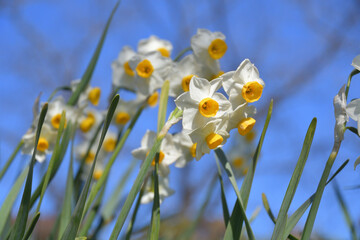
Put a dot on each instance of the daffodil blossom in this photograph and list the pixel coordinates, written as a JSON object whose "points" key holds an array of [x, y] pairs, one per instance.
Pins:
{"points": [[151, 70], [56, 107], [202, 103], [167, 155], [208, 47], [89, 121], [123, 75], [184, 144], [341, 116], [356, 62], [241, 118], [153, 43], [353, 110], [210, 136], [181, 75], [244, 84], [124, 112], [164, 190], [45, 145], [90, 94]]}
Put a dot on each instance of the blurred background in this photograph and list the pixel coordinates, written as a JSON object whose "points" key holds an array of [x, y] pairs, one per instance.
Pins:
{"points": [[303, 50]]}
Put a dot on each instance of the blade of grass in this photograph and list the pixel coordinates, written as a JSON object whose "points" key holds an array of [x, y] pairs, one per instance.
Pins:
{"points": [[78, 214], [223, 197], [21, 219], [295, 217], [10, 199], [85, 79], [32, 226], [155, 218], [294, 181], [344, 208], [233, 229], [11, 158], [226, 165], [164, 95]]}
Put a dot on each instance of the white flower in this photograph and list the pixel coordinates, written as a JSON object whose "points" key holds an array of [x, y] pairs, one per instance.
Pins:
{"points": [[151, 70], [125, 111], [153, 43], [90, 94], [45, 145], [90, 121], [353, 110], [241, 118], [184, 144], [164, 190], [244, 80], [123, 75], [208, 47], [210, 136], [181, 75], [356, 62], [56, 107], [167, 155], [340, 114], [202, 103], [151, 100]]}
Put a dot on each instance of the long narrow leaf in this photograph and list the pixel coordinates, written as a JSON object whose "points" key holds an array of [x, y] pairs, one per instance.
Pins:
{"points": [[226, 165], [233, 229], [155, 218], [294, 181], [85, 79], [11, 158], [31, 226], [163, 105], [21, 219], [223, 197], [73, 226]]}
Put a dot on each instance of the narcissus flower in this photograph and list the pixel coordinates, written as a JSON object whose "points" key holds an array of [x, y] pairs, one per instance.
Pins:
{"points": [[241, 118], [353, 110], [210, 136], [164, 190], [56, 107], [45, 145], [90, 121], [153, 43], [341, 116], [202, 103], [184, 144], [244, 84], [151, 71], [124, 112], [123, 75], [167, 155], [90, 94]]}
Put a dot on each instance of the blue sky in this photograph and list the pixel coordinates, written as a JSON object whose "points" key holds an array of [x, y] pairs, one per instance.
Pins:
{"points": [[303, 51]]}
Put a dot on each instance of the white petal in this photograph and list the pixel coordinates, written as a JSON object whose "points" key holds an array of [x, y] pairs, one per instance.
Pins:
{"points": [[356, 62], [353, 109], [199, 88]]}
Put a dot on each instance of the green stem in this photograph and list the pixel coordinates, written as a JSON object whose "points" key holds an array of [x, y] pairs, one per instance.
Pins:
{"points": [[11, 158], [353, 73], [182, 53], [66, 88]]}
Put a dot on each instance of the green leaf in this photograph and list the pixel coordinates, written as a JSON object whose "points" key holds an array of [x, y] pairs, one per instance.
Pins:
{"points": [[155, 218], [11, 158], [32, 226], [295, 217], [353, 130], [357, 162], [163, 105], [85, 79], [344, 208], [294, 181], [223, 197], [235, 220], [21, 219], [73, 226], [10, 199], [226, 165]]}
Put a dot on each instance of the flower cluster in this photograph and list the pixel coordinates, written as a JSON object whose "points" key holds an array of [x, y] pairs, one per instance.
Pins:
{"points": [[195, 82]]}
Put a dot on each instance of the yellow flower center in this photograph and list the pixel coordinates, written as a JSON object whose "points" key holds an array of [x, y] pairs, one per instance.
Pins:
{"points": [[217, 48], [245, 125], [238, 162], [122, 118], [217, 75], [193, 150], [144, 69], [94, 95], [161, 157], [109, 144], [97, 174], [55, 121], [252, 91], [128, 69], [42, 145], [213, 140], [90, 158], [208, 107], [87, 123], [153, 99], [186, 82], [164, 52]]}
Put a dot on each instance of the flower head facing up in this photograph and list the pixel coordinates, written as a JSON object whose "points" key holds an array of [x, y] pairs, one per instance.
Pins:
{"points": [[202, 103]]}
